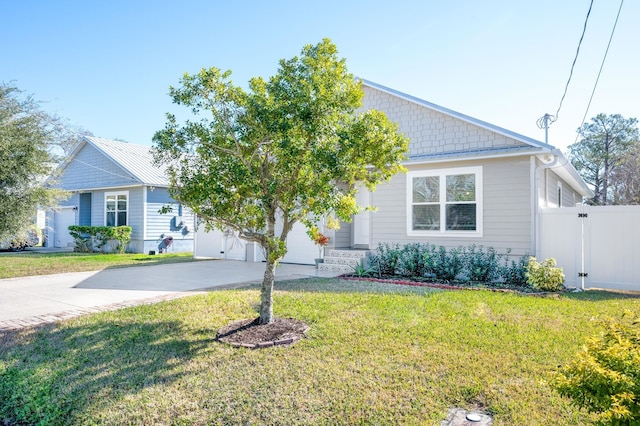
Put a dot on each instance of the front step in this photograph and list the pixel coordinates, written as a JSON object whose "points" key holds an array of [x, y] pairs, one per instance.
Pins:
{"points": [[342, 261]]}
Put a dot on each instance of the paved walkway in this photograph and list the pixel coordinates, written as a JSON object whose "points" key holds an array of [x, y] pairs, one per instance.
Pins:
{"points": [[37, 300]]}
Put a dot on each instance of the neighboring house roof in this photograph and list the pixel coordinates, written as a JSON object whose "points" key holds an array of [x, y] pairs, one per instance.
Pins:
{"points": [[135, 160], [529, 145]]}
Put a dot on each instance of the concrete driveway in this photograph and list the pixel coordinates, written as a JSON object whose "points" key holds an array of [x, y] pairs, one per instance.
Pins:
{"points": [[37, 300]]}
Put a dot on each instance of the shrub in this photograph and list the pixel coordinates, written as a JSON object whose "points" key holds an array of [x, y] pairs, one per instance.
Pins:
{"points": [[421, 260], [515, 271], [385, 258], [94, 238], [448, 264], [412, 261], [544, 276], [482, 266], [605, 376]]}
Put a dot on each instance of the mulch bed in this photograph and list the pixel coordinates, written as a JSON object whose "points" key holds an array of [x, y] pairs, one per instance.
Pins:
{"points": [[248, 333]]}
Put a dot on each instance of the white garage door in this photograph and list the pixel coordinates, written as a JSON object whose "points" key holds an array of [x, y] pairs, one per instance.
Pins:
{"points": [[218, 244], [212, 244], [63, 218], [300, 248]]}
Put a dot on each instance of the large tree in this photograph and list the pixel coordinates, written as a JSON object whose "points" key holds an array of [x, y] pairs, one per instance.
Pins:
{"points": [[606, 140], [290, 149], [27, 137], [625, 179]]}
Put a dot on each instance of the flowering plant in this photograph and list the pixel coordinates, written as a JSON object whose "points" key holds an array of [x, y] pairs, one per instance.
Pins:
{"points": [[319, 238]]}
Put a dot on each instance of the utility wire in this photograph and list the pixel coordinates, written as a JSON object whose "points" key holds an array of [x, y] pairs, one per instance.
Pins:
{"points": [[615, 24], [544, 121]]}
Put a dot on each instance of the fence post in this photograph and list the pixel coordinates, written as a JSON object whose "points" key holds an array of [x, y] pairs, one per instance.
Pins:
{"points": [[584, 245]]}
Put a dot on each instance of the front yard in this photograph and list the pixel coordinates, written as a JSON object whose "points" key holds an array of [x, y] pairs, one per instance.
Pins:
{"points": [[375, 354], [30, 263]]}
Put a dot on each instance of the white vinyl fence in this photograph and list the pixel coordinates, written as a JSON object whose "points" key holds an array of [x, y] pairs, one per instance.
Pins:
{"points": [[597, 246]]}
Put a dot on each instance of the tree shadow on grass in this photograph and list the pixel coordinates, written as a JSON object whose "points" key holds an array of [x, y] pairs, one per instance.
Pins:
{"points": [[55, 374], [602, 295]]}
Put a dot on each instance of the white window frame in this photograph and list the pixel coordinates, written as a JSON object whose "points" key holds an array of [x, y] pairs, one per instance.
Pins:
{"points": [[442, 174], [116, 193]]}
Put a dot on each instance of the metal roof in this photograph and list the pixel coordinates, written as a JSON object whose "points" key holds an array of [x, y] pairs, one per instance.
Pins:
{"points": [[137, 160]]}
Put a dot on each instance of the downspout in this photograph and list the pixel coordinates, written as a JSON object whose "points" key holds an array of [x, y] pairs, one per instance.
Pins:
{"points": [[548, 160]]}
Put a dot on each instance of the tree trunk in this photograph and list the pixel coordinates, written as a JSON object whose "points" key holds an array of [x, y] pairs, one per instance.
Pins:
{"points": [[266, 293]]}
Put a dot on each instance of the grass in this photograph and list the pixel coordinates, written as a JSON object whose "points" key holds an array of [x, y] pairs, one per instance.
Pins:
{"points": [[27, 263], [375, 354]]}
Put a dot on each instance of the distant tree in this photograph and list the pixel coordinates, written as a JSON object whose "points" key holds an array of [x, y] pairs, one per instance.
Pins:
{"points": [[625, 180], [27, 135], [606, 140], [289, 150]]}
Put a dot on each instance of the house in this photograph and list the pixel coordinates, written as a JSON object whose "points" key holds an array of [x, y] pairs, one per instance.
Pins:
{"points": [[468, 182], [115, 183]]}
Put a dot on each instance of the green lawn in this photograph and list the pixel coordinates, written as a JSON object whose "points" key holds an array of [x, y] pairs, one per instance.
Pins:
{"points": [[29, 263], [375, 354]]}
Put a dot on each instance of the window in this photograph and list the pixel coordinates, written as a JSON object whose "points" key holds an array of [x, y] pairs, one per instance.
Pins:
{"points": [[446, 201], [116, 205], [559, 194]]}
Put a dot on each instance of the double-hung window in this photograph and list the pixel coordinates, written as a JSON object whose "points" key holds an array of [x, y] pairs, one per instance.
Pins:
{"points": [[117, 208], [445, 202]]}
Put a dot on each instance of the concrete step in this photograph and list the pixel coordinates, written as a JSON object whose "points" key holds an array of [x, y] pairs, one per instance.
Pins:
{"points": [[358, 254], [343, 260], [333, 267]]}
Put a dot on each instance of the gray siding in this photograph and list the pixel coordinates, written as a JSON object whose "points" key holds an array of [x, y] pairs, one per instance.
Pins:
{"points": [[433, 132], [569, 196], [506, 208], [91, 169], [343, 236]]}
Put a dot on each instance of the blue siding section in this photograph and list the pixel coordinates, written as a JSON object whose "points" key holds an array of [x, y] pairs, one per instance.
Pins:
{"points": [[91, 169], [84, 215], [72, 201], [135, 217], [162, 225], [97, 208]]}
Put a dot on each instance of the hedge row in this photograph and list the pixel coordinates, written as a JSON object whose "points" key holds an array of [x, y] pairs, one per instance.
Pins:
{"points": [[89, 239], [473, 263]]}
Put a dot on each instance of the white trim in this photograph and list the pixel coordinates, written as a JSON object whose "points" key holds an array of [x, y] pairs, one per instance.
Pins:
{"points": [[466, 157], [442, 173], [104, 206]]}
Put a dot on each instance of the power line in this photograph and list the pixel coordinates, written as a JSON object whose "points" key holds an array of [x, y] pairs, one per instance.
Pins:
{"points": [[613, 30], [545, 121]]}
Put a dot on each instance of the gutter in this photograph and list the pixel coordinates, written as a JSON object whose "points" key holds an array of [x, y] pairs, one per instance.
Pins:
{"points": [[548, 160]]}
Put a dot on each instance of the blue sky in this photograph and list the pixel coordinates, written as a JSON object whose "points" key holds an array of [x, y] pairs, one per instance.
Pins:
{"points": [[106, 65]]}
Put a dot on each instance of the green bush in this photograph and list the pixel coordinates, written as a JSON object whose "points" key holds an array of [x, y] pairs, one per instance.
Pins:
{"points": [[95, 238], [448, 265], [385, 258], [605, 376], [413, 260], [423, 260], [515, 271], [544, 276], [481, 265]]}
